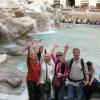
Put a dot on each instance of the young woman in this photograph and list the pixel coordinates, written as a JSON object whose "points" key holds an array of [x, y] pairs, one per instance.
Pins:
{"points": [[47, 73], [33, 73], [58, 58]]}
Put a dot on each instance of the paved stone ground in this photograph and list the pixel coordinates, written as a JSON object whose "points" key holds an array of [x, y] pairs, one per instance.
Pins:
{"points": [[9, 93], [23, 96]]}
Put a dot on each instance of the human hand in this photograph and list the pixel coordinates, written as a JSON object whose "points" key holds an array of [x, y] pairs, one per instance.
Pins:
{"points": [[90, 83], [32, 44], [60, 75], [66, 45], [55, 46], [86, 83], [37, 83]]}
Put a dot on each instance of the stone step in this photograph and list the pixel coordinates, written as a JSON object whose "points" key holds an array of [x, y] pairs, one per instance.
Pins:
{"points": [[23, 96]]}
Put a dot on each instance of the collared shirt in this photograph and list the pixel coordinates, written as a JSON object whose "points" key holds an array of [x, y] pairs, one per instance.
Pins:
{"points": [[76, 72]]}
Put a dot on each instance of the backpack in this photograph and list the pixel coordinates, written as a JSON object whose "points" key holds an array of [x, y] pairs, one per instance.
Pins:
{"points": [[70, 65]]}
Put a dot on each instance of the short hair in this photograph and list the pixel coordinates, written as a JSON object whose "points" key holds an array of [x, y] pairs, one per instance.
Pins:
{"points": [[89, 63], [47, 55], [59, 54], [76, 49]]}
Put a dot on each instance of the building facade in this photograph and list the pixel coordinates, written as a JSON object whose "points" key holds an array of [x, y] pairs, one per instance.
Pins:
{"points": [[50, 2], [88, 3], [79, 3]]}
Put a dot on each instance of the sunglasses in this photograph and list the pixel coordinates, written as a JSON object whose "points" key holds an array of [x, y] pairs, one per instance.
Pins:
{"points": [[58, 55]]}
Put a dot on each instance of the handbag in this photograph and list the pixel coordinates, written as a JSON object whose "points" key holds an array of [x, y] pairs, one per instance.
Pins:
{"points": [[47, 87], [56, 81]]}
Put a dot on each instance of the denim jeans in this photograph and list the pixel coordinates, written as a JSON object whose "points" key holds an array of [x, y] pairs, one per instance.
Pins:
{"points": [[47, 96], [61, 94], [74, 92], [44, 95], [32, 90]]}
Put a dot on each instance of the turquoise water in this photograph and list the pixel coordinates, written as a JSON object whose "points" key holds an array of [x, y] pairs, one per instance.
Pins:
{"points": [[85, 37]]}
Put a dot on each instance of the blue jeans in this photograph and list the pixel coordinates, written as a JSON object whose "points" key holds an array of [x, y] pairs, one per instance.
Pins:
{"points": [[59, 92], [62, 89], [74, 92], [47, 96], [44, 95]]}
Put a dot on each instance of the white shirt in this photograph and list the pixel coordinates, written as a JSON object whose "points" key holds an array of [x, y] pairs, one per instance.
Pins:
{"points": [[50, 72]]}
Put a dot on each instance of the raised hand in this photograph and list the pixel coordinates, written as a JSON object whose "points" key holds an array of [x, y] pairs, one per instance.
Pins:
{"points": [[66, 46], [55, 46]]}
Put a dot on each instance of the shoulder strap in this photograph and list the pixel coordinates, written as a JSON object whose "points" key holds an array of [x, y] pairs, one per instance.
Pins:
{"points": [[55, 68], [46, 71], [82, 64], [70, 65], [63, 67], [71, 62]]}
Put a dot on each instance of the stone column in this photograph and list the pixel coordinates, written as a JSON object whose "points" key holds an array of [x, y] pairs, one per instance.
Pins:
{"points": [[78, 2], [50, 1], [63, 2], [92, 3], [67, 3]]}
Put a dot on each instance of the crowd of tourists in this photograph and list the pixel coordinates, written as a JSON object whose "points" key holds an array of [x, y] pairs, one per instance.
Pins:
{"points": [[49, 73], [79, 21]]}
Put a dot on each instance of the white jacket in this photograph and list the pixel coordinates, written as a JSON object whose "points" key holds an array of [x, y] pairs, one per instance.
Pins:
{"points": [[50, 72]]}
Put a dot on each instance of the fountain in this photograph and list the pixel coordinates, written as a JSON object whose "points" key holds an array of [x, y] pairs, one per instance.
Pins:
{"points": [[17, 21], [14, 29], [21, 19]]}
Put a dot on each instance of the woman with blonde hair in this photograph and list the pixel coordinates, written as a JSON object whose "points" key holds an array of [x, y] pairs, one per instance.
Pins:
{"points": [[33, 73], [46, 76]]}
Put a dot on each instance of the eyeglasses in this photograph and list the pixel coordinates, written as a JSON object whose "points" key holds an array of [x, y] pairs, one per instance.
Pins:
{"points": [[47, 56], [59, 55]]}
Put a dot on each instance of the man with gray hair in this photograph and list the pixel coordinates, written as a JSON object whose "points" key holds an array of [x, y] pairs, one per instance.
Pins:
{"points": [[78, 75]]}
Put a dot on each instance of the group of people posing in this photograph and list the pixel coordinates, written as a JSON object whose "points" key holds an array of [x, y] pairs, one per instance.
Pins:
{"points": [[49, 73]]}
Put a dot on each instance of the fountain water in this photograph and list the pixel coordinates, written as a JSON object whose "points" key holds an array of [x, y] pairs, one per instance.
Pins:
{"points": [[43, 22]]}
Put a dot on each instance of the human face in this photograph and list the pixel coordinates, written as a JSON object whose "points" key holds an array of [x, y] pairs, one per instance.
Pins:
{"points": [[47, 58], [33, 55], [41, 49], [76, 53], [59, 57]]}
